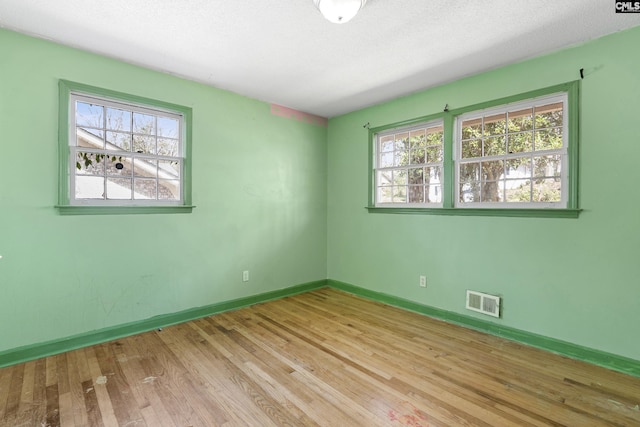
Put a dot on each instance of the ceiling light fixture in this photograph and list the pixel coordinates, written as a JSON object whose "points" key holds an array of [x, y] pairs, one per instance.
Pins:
{"points": [[339, 11]]}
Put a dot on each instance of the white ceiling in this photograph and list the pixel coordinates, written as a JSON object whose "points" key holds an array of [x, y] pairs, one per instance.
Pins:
{"points": [[285, 52]]}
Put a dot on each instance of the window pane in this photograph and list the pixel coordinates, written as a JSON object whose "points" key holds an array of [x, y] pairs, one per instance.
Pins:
{"points": [[549, 115], [119, 189], [418, 139], [399, 194], [89, 187], [385, 178], [416, 176], [168, 147], [86, 137], [520, 142], [168, 189], [518, 190], [492, 191], [546, 190], [433, 174], [118, 141], [400, 177], [89, 115], [144, 123], [119, 166], [521, 120], [519, 167], [472, 129], [418, 156], [118, 120], [386, 160], [144, 189], [470, 192], [492, 170], [385, 194], [435, 135], [401, 158], [402, 141], [386, 143], [168, 127], [433, 193], [549, 139], [434, 154], [471, 148], [495, 125], [470, 172], [144, 144], [550, 166], [169, 169], [416, 194], [88, 164], [494, 146], [145, 168]]}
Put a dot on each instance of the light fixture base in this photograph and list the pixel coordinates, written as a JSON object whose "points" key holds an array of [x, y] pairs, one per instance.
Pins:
{"points": [[339, 11]]}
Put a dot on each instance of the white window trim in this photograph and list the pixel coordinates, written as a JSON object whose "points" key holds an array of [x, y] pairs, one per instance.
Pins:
{"points": [[129, 106], [457, 148], [376, 169]]}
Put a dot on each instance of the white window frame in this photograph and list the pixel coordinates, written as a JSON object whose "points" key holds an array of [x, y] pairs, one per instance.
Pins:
{"points": [[74, 148], [376, 162], [504, 108]]}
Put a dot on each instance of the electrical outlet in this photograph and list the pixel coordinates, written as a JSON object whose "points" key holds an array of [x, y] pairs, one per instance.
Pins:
{"points": [[245, 276], [423, 281]]}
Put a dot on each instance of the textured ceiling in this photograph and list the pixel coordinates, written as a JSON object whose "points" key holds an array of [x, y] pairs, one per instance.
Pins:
{"points": [[285, 52]]}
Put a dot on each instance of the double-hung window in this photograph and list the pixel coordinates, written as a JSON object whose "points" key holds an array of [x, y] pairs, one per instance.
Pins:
{"points": [[120, 151], [515, 156], [409, 165]]}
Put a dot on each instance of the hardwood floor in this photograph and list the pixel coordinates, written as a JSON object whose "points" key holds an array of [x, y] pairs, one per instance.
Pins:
{"points": [[321, 358]]}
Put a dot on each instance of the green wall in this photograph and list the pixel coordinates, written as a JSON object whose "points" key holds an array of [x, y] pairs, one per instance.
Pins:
{"points": [[576, 280], [273, 199], [259, 184]]}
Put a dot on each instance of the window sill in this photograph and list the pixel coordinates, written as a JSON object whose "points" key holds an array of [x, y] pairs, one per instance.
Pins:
{"points": [[121, 210], [520, 213]]}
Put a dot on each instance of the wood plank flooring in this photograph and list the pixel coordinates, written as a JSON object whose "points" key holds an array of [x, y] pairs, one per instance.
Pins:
{"points": [[323, 358]]}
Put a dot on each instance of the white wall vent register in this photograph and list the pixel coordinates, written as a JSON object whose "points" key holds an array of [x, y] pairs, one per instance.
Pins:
{"points": [[483, 303]]}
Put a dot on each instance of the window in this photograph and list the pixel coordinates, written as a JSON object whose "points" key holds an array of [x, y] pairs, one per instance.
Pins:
{"points": [[119, 151], [515, 156], [409, 166]]}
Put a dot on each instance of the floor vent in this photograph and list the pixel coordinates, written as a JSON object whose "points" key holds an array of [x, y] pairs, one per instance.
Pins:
{"points": [[483, 303]]}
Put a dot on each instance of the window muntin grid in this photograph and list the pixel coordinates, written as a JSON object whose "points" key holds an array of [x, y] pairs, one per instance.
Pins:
{"points": [[408, 163], [124, 154], [513, 155]]}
